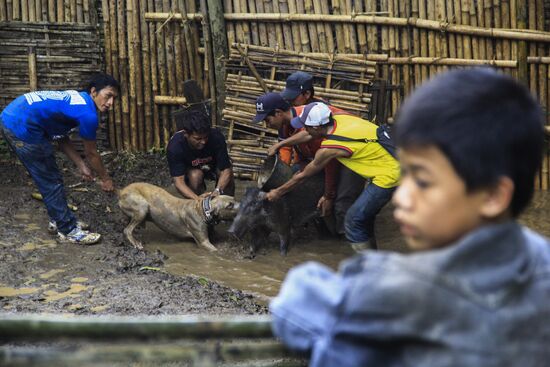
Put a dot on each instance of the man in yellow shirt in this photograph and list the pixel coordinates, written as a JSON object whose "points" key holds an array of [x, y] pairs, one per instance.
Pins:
{"points": [[345, 139]]}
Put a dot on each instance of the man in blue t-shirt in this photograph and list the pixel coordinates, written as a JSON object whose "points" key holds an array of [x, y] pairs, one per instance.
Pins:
{"points": [[198, 152], [33, 120]]}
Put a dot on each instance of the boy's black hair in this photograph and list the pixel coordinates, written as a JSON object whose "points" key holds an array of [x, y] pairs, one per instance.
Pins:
{"points": [[486, 123], [192, 120], [100, 81]]}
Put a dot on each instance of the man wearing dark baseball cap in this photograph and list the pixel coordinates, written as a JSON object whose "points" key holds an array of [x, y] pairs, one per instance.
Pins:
{"points": [[299, 88], [352, 141], [268, 104]]}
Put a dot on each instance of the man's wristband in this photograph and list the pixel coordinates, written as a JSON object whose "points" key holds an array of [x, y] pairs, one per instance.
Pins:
{"points": [[218, 190]]}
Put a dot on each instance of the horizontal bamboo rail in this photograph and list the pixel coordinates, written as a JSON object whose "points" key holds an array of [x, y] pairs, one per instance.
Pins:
{"points": [[164, 17], [169, 100], [46, 328], [399, 22]]}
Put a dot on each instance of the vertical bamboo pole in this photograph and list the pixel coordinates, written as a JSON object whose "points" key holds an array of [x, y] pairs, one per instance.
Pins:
{"points": [[38, 10], [239, 32], [457, 15], [341, 36], [123, 70], [246, 27], [543, 87], [497, 16], [155, 130], [60, 12], [3, 11], [313, 38], [79, 11], [490, 42], [146, 72], [417, 50], [466, 40], [51, 11], [219, 52], [434, 46], [180, 49], [480, 21], [423, 39], [441, 16], [505, 22], [9, 10], [264, 34], [16, 10], [451, 37], [323, 33], [405, 12], [129, 40], [67, 10], [209, 62], [384, 46], [33, 78], [361, 29], [86, 11], [73, 11], [304, 35], [351, 28], [254, 30], [533, 68], [514, 25], [117, 114], [290, 7], [328, 33], [194, 31], [393, 69], [162, 5], [24, 10], [135, 45], [372, 30], [231, 34], [108, 66], [32, 10], [473, 22], [284, 29]]}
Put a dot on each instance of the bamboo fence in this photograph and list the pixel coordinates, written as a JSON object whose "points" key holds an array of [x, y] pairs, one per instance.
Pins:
{"points": [[47, 56], [410, 40], [152, 47]]}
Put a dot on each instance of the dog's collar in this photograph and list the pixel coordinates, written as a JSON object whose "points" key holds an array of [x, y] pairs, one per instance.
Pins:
{"points": [[209, 217]]}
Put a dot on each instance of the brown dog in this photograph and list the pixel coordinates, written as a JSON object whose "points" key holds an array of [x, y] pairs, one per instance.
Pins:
{"points": [[183, 218]]}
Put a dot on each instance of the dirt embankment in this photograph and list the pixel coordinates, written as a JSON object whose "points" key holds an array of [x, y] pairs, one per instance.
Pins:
{"points": [[40, 275]]}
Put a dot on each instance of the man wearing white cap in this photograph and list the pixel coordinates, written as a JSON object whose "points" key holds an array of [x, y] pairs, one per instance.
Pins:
{"points": [[352, 141]]}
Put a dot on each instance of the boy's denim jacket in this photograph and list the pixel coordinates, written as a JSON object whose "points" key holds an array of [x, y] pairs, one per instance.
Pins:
{"points": [[484, 301]]}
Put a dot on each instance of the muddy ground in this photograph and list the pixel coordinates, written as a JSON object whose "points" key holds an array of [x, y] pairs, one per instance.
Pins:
{"points": [[40, 275]]}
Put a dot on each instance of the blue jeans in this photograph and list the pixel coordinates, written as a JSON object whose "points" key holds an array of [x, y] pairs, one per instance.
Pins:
{"points": [[359, 223], [39, 160]]}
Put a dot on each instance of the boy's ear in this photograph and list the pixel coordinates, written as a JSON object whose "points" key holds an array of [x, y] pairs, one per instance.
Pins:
{"points": [[499, 198]]}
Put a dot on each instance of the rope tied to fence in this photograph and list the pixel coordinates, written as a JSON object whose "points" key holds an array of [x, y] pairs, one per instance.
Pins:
{"points": [[170, 16]]}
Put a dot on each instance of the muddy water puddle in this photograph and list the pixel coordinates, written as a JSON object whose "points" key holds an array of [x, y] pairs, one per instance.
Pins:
{"points": [[264, 274]]}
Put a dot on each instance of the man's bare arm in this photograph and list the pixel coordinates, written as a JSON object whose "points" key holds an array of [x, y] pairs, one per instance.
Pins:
{"points": [[322, 158], [181, 186], [298, 138]]}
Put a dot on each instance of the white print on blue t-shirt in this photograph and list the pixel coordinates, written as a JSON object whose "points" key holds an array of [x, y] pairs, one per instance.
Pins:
{"points": [[72, 96]]}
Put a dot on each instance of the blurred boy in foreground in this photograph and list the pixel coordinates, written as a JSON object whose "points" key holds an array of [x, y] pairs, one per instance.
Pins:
{"points": [[476, 289]]}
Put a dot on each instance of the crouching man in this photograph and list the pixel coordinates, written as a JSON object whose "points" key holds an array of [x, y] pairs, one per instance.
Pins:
{"points": [[198, 152]]}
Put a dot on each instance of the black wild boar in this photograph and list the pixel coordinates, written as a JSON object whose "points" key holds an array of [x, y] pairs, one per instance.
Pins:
{"points": [[261, 217]]}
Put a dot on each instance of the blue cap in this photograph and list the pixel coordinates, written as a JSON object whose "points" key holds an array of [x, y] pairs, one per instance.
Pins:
{"points": [[297, 83], [267, 103]]}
